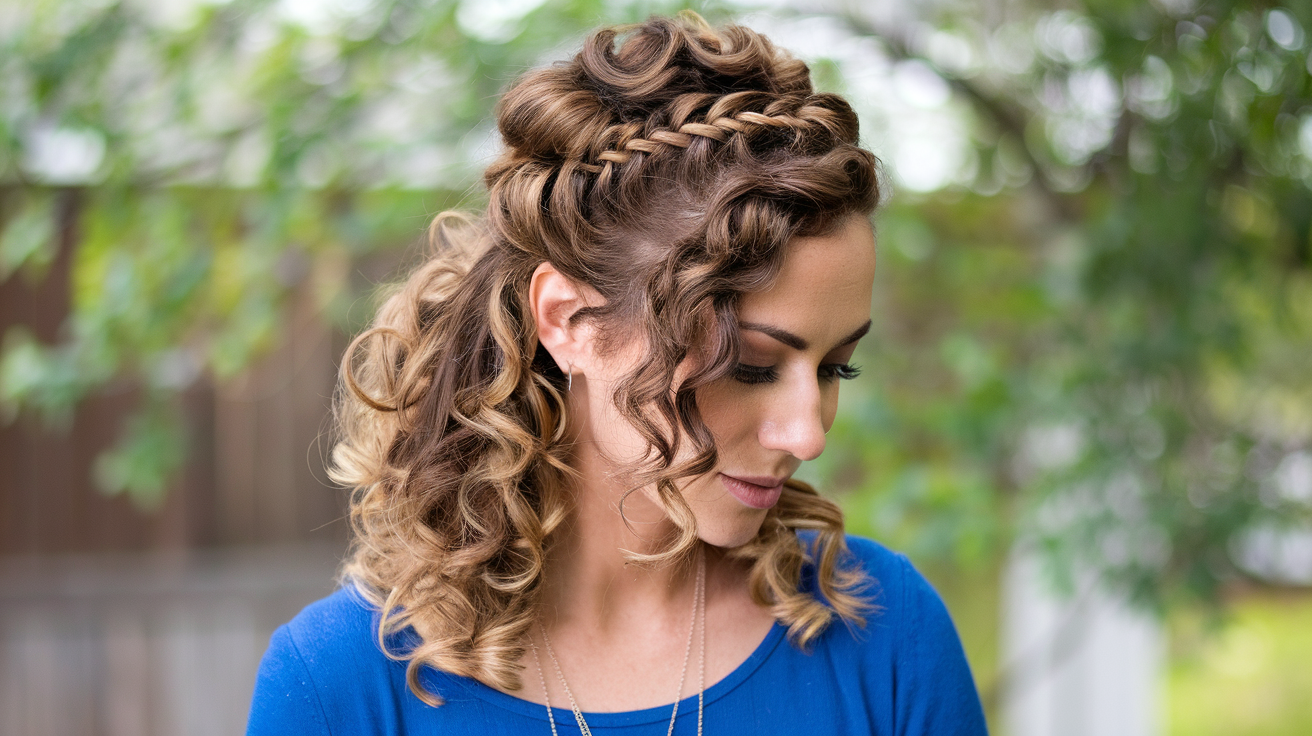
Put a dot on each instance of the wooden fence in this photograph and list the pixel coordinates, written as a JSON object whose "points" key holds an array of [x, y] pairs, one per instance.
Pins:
{"points": [[116, 619], [143, 644]]}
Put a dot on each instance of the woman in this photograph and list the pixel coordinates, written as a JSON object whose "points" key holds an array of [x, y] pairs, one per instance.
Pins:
{"points": [[570, 433]]}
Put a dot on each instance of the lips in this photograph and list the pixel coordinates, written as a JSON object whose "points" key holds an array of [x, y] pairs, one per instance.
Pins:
{"points": [[754, 491]]}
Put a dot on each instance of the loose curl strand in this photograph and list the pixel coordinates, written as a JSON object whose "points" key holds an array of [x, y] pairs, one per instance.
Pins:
{"points": [[667, 166]]}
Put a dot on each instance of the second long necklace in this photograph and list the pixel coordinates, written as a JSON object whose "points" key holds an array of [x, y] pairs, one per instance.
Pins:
{"points": [[698, 611]]}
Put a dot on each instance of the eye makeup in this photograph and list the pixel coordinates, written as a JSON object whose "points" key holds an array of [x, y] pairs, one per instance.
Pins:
{"points": [[757, 374]]}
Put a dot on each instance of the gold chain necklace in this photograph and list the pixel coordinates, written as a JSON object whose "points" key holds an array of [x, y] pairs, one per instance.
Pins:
{"points": [[698, 610]]}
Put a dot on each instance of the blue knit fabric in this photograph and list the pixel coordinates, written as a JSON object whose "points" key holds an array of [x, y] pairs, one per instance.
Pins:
{"points": [[903, 673]]}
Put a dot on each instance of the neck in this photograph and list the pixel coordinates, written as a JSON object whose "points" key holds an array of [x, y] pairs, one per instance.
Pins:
{"points": [[588, 579]]}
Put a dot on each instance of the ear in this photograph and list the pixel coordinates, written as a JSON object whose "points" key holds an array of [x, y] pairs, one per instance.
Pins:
{"points": [[554, 300]]}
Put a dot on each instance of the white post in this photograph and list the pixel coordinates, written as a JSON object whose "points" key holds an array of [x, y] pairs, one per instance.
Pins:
{"points": [[1087, 666]]}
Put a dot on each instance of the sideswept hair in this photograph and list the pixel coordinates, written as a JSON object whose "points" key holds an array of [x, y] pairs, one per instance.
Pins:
{"points": [[667, 166]]}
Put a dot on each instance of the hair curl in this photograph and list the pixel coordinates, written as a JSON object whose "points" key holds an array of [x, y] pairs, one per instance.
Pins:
{"points": [[669, 173]]}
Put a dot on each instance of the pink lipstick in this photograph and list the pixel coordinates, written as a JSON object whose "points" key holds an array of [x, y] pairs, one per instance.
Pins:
{"points": [[757, 492]]}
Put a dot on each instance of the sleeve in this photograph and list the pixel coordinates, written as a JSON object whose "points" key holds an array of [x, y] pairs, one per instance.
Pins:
{"points": [[934, 691], [285, 700]]}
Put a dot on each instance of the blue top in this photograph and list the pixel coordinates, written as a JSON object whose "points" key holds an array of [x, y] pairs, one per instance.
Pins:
{"points": [[904, 673]]}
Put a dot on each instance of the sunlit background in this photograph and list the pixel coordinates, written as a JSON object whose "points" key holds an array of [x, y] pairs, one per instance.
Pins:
{"points": [[1086, 410]]}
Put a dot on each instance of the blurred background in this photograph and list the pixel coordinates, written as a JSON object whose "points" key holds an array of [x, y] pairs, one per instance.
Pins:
{"points": [[1086, 410]]}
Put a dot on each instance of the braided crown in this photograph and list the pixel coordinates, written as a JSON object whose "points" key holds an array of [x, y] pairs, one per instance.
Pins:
{"points": [[678, 118], [671, 86]]}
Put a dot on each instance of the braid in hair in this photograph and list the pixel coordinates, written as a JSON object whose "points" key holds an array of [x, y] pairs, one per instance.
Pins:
{"points": [[796, 115]]}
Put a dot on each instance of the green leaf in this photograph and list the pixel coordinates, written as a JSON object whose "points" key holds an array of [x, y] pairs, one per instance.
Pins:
{"points": [[28, 239], [146, 456]]}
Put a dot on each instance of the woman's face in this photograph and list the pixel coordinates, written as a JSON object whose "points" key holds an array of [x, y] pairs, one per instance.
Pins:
{"points": [[797, 340], [773, 411]]}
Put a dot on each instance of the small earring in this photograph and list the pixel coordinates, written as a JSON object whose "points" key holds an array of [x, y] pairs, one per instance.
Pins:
{"points": [[569, 382]]}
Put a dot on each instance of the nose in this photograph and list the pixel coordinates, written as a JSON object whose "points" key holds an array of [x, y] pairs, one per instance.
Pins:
{"points": [[796, 423]]}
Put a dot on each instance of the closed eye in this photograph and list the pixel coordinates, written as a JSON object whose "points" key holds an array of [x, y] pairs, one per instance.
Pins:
{"points": [[841, 371], [754, 374]]}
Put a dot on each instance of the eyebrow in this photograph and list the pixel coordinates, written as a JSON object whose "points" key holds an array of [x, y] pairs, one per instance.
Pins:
{"points": [[797, 343]]}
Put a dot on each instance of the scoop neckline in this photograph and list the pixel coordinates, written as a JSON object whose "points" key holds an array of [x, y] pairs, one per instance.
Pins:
{"points": [[654, 714]]}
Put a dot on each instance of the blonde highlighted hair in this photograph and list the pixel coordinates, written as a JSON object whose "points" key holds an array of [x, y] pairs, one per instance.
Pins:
{"points": [[667, 166]]}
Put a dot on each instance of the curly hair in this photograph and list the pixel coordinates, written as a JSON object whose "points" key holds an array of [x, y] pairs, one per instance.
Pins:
{"points": [[667, 166]]}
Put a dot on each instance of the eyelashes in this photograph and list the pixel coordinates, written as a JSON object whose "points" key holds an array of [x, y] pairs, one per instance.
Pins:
{"points": [[841, 371], [754, 374]]}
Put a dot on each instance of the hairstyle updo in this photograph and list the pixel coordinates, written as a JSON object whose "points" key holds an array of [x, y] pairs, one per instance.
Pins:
{"points": [[667, 166]]}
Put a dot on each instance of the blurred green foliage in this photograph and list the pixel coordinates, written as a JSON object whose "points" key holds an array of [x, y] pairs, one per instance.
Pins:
{"points": [[209, 158], [1252, 679], [1100, 342], [1093, 337]]}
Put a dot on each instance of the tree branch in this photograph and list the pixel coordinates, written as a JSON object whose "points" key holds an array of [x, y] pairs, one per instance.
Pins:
{"points": [[995, 110]]}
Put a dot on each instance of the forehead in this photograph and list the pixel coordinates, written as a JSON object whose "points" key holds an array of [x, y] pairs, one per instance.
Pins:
{"points": [[823, 287]]}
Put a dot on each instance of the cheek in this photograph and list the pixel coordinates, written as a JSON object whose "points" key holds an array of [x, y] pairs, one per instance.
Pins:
{"points": [[829, 406], [729, 412]]}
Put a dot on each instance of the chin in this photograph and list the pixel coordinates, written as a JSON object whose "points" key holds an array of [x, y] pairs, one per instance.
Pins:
{"points": [[728, 534]]}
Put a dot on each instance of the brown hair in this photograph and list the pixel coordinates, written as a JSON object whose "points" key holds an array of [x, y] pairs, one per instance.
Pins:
{"points": [[668, 173]]}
